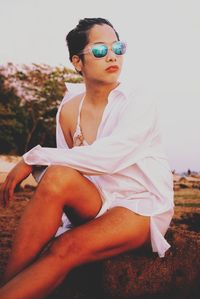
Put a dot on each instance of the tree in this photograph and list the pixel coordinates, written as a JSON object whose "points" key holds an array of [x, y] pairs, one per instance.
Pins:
{"points": [[29, 97], [12, 120]]}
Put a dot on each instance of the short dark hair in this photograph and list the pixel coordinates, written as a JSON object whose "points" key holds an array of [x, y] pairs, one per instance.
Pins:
{"points": [[77, 38]]}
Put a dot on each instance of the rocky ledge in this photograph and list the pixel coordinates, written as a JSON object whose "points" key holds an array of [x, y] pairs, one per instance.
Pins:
{"points": [[140, 274]]}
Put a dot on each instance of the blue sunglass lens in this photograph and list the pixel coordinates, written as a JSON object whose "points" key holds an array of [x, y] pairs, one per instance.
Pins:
{"points": [[99, 51], [119, 48]]}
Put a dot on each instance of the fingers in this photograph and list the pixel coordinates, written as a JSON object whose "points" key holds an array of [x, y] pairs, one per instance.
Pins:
{"points": [[2, 190], [7, 191], [16, 175]]}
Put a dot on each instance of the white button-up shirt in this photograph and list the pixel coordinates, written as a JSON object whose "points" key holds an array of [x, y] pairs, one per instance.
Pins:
{"points": [[127, 158], [126, 161]]}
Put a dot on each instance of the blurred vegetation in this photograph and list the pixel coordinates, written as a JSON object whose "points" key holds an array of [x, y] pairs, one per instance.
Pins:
{"points": [[192, 220], [29, 98]]}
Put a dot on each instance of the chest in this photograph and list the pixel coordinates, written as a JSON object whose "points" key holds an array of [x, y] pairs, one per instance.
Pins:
{"points": [[90, 121]]}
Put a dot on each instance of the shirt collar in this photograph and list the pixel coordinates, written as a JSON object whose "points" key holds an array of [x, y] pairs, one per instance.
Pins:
{"points": [[122, 88]]}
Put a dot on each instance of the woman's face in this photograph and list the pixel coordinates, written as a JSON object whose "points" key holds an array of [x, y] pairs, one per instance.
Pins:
{"points": [[106, 69]]}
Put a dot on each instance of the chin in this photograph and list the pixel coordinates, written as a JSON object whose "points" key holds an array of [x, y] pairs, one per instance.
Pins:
{"points": [[107, 79], [111, 78]]}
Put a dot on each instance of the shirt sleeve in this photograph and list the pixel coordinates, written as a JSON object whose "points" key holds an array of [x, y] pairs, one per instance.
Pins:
{"points": [[128, 143]]}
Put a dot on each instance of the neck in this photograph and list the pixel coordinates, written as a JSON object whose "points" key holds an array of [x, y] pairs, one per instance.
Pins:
{"points": [[98, 94]]}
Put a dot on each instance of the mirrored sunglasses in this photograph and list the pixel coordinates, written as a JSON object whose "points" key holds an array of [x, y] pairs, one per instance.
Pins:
{"points": [[101, 50]]}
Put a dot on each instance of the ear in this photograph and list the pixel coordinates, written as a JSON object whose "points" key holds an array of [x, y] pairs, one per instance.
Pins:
{"points": [[77, 63]]}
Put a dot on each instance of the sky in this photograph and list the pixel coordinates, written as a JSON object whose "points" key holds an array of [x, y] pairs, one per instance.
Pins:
{"points": [[162, 60]]}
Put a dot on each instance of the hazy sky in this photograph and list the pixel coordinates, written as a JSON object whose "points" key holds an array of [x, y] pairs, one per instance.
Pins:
{"points": [[163, 57]]}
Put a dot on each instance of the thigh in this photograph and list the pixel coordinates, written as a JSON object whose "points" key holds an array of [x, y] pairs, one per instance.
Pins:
{"points": [[79, 197], [117, 231]]}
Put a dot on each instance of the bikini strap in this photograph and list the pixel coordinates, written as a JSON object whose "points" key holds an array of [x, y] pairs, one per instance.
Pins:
{"points": [[78, 128], [79, 111], [78, 138]]}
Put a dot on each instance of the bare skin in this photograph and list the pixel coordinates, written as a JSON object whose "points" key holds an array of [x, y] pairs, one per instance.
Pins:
{"points": [[116, 231], [33, 272], [14, 178]]}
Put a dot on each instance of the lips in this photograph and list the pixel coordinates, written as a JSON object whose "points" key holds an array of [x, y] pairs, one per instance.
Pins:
{"points": [[112, 68]]}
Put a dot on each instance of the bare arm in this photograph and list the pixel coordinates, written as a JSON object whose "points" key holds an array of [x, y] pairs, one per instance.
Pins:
{"points": [[66, 118]]}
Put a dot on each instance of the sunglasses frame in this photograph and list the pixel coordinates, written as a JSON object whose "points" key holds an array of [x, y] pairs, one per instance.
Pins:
{"points": [[90, 48]]}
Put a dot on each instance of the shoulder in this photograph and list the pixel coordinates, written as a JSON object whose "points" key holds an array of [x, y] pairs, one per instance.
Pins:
{"points": [[140, 109], [138, 99], [67, 118], [135, 96], [69, 109], [72, 95]]}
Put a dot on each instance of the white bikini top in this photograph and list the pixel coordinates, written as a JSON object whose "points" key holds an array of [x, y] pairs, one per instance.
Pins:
{"points": [[78, 138]]}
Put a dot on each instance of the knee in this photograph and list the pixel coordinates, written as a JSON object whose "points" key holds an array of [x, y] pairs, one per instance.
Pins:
{"points": [[57, 180]]}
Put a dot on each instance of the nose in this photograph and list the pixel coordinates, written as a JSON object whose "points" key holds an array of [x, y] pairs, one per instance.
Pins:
{"points": [[111, 56]]}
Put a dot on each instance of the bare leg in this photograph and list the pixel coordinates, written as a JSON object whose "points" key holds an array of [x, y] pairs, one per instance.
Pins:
{"points": [[116, 231], [60, 187]]}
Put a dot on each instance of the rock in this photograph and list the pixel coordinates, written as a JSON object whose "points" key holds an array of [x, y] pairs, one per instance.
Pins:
{"points": [[140, 274]]}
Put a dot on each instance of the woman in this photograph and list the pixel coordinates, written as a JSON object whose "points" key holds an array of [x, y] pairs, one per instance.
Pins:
{"points": [[109, 174]]}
